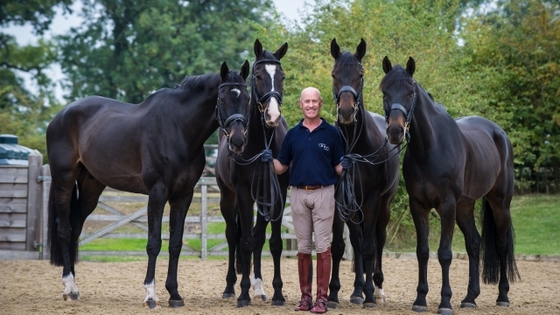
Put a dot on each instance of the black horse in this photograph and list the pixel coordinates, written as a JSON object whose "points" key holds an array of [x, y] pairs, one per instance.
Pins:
{"points": [[364, 192], [244, 179], [154, 148], [448, 165]]}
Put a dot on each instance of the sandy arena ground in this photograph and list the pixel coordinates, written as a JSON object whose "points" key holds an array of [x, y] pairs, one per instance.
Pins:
{"points": [[35, 287]]}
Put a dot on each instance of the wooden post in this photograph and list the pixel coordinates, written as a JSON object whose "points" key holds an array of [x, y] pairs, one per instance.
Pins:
{"points": [[204, 221], [46, 183], [34, 193]]}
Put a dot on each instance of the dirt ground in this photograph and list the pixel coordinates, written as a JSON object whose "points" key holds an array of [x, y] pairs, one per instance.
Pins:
{"points": [[35, 287]]}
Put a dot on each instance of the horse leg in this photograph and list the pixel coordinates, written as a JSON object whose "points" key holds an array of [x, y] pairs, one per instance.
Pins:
{"points": [[276, 247], [179, 209], [447, 215], [246, 244], [465, 221], [156, 202], [259, 233], [337, 250], [356, 239], [381, 238], [368, 245], [63, 206], [421, 219], [228, 207]]}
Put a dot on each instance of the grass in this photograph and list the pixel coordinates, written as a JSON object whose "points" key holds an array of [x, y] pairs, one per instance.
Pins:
{"points": [[536, 219]]}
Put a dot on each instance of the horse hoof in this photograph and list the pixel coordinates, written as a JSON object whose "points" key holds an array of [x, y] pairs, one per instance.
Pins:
{"points": [[333, 305], [370, 305], [263, 297], [419, 308], [176, 303], [151, 304], [228, 295], [278, 303], [71, 296], [468, 305], [445, 311], [243, 303], [357, 300], [504, 304]]}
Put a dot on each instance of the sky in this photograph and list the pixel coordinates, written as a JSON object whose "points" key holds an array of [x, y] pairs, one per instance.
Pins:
{"points": [[61, 24]]}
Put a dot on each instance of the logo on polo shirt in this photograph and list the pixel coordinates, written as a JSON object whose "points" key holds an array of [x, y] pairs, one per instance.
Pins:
{"points": [[324, 146]]}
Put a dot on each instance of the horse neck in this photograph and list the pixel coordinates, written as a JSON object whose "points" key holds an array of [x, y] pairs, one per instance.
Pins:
{"points": [[359, 132], [257, 131], [426, 119], [203, 115]]}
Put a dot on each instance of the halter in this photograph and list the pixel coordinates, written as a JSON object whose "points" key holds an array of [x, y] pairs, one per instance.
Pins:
{"points": [[402, 109], [225, 124], [265, 98]]}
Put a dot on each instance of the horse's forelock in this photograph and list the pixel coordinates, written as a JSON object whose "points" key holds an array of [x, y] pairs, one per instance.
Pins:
{"points": [[398, 76], [345, 59]]}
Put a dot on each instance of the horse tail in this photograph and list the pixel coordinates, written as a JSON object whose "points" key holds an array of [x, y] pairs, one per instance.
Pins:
{"points": [[52, 240], [238, 251], [490, 249]]}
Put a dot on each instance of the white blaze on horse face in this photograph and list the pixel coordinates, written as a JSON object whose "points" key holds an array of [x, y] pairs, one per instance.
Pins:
{"points": [[273, 107], [237, 91]]}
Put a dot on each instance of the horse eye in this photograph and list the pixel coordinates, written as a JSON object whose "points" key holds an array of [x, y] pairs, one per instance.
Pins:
{"points": [[258, 77]]}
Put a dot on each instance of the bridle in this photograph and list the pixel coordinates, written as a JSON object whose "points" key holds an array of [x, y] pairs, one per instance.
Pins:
{"points": [[226, 124], [407, 114], [265, 98]]}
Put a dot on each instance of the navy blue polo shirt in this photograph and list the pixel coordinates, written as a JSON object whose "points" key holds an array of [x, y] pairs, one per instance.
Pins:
{"points": [[313, 154]]}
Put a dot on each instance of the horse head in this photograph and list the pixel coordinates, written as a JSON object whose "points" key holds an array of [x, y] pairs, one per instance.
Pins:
{"points": [[399, 98], [233, 106], [348, 81], [268, 83]]}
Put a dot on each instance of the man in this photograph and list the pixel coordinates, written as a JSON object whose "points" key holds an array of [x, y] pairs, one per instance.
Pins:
{"points": [[313, 149]]}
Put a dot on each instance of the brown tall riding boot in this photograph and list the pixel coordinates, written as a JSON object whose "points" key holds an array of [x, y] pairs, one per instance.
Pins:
{"points": [[305, 270], [323, 278]]}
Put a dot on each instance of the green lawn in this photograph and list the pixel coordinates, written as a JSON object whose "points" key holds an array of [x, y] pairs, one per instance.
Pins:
{"points": [[536, 220]]}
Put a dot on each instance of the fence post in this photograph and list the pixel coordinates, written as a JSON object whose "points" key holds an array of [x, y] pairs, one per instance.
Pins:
{"points": [[46, 250], [35, 159], [204, 221]]}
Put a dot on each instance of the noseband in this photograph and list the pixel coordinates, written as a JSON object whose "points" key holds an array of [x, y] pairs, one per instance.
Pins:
{"points": [[402, 109], [225, 124], [265, 98]]}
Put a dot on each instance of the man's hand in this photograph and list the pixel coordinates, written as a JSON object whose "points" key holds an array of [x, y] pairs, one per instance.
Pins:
{"points": [[266, 155], [346, 163]]}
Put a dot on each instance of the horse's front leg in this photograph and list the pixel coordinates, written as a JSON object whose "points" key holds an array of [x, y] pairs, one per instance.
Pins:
{"points": [[368, 246], [421, 220], [228, 208], [276, 247], [259, 233], [246, 245], [179, 209], [156, 202], [447, 214]]}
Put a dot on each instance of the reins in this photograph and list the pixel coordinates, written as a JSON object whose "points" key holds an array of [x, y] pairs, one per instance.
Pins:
{"points": [[265, 181]]}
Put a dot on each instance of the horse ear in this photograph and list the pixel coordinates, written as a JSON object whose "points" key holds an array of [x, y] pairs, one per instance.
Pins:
{"points": [[281, 51], [361, 50], [224, 72], [410, 66], [245, 70], [258, 47], [335, 49], [387, 65]]}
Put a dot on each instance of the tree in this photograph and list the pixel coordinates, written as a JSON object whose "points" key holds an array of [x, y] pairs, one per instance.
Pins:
{"points": [[22, 112], [129, 48]]}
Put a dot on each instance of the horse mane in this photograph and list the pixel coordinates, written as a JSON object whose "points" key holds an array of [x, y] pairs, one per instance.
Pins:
{"points": [[199, 81], [397, 76]]}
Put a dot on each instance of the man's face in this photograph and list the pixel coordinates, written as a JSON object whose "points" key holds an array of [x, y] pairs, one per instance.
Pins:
{"points": [[310, 103]]}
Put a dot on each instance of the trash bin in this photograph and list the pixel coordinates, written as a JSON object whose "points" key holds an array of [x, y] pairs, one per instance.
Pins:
{"points": [[11, 153]]}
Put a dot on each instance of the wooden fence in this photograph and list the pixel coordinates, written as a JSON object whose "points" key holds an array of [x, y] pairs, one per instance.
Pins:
{"points": [[24, 193]]}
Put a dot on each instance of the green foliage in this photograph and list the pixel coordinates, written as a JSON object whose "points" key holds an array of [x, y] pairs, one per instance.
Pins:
{"points": [[126, 50]]}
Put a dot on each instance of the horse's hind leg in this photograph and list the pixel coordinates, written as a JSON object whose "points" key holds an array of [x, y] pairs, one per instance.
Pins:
{"points": [[337, 251], [465, 221], [179, 209]]}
